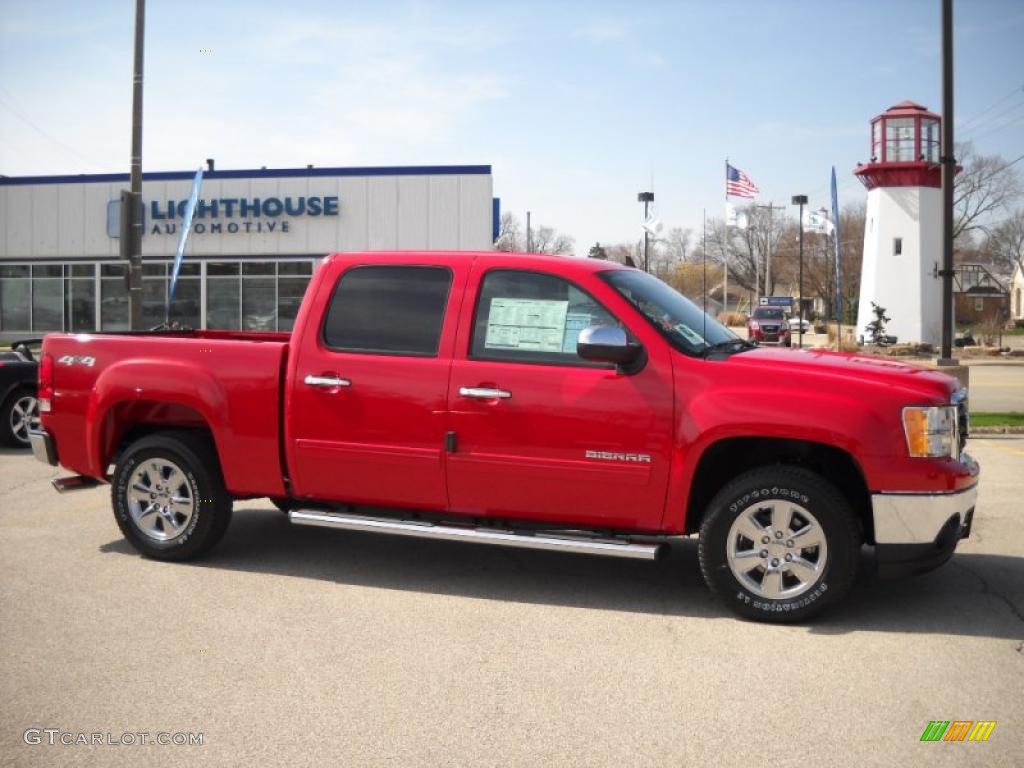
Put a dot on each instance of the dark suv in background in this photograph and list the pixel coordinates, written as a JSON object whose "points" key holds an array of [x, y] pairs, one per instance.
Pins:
{"points": [[19, 374], [768, 325]]}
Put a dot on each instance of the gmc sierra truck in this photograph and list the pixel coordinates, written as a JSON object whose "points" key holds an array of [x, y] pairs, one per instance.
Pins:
{"points": [[521, 400]]}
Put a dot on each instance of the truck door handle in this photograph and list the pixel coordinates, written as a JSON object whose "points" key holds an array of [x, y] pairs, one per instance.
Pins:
{"points": [[484, 393], [328, 382]]}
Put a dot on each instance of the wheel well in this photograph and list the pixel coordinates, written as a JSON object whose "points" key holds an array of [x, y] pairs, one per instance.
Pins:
{"points": [[727, 459], [127, 422]]}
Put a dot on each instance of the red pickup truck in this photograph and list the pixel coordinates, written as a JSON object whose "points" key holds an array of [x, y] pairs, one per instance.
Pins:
{"points": [[520, 400]]}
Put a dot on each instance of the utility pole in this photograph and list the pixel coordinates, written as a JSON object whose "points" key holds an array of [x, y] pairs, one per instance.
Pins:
{"points": [[131, 204], [801, 200], [529, 234], [768, 263], [948, 162], [646, 198]]}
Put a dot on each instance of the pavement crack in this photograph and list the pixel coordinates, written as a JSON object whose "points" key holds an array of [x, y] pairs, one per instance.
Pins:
{"points": [[987, 589]]}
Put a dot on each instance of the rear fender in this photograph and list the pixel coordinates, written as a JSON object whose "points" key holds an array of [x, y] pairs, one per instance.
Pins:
{"points": [[163, 381]]}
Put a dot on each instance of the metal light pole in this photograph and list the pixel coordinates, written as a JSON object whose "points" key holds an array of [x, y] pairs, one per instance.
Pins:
{"points": [[131, 204], [529, 234], [801, 200], [948, 162], [646, 198]]}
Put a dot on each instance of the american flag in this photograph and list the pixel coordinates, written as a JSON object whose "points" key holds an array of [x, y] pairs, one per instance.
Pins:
{"points": [[738, 184]]}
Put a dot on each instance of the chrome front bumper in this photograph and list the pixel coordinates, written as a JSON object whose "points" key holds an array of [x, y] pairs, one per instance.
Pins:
{"points": [[917, 518], [916, 532]]}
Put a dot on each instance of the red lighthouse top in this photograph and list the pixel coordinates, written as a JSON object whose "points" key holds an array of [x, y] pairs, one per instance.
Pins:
{"points": [[904, 149]]}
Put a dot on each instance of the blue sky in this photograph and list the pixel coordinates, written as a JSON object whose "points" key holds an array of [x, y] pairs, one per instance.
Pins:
{"points": [[577, 106]]}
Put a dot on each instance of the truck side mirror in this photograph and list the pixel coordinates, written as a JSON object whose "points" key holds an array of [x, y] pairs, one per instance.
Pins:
{"points": [[607, 344]]}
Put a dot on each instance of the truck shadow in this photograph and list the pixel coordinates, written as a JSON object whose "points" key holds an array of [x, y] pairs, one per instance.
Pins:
{"points": [[974, 594]]}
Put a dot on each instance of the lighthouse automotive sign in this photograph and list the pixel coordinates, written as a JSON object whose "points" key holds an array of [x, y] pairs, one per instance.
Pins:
{"points": [[227, 215]]}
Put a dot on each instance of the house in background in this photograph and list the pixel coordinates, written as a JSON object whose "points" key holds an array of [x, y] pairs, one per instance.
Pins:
{"points": [[1017, 294], [978, 295]]}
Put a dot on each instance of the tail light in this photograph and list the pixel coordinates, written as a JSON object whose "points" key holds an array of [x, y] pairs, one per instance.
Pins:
{"points": [[45, 392]]}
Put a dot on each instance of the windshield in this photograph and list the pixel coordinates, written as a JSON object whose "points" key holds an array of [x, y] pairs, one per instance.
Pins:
{"points": [[677, 318], [767, 314]]}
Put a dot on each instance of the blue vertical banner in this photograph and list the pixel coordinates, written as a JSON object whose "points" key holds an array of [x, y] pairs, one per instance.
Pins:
{"points": [[186, 227], [838, 239]]}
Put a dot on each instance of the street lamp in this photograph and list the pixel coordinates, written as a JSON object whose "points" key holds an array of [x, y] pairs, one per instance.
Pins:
{"points": [[646, 198], [801, 200]]}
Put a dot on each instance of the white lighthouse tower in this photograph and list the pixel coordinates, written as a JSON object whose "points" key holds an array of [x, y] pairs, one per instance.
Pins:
{"points": [[903, 227]]}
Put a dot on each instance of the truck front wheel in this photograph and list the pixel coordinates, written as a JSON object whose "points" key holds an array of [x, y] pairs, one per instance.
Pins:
{"points": [[169, 497], [779, 544]]}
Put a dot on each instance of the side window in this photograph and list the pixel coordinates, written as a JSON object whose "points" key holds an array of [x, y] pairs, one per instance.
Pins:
{"points": [[531, 317], [388, 310]]}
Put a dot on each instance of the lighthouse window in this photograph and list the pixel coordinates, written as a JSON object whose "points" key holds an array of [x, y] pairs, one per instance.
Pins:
{"points": [[930, 141], [897, 246], [876, 141], [899, 140]]}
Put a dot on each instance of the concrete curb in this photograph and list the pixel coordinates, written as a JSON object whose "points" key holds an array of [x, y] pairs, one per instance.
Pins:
{"points": [[997, 430]]}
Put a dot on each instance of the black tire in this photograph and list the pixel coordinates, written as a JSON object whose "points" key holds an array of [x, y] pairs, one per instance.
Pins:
{"points": [[195, 455], [830, 516], [8, 436]]}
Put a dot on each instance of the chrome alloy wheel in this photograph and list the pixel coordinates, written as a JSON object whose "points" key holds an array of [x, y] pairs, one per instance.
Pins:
{"points": [[24, 415], [777, 549], [160, 499]]}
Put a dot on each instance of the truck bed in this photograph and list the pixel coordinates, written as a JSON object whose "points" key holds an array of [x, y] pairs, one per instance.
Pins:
{"points": [[226, 381]]}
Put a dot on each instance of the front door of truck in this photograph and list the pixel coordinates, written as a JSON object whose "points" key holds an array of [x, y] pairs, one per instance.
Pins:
{"points": [[541, 433], [366, 410]]}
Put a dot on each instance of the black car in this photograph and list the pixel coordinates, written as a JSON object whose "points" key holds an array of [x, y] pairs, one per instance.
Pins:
{"points": [[19, 410]]}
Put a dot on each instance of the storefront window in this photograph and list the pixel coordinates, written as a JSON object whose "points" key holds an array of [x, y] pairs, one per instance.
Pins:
{"points": [[80, 302], [251, 295], [222, 299], [47, 304], [185, 307], [113, 297], [259, 304], [15, 297], [290, 291]]}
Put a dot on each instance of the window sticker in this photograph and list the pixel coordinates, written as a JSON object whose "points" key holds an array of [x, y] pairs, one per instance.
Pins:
{"points": [[528, 324]]}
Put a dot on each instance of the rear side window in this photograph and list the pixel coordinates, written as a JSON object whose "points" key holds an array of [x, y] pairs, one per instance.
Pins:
{"points": [[531, 317], [388, 310]]}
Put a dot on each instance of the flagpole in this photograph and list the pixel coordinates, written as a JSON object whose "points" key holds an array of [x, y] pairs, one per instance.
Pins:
{"points": [[704, 252], [725, 254]]}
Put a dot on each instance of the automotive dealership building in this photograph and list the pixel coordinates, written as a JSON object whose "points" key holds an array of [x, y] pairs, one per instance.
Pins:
{"points": [[254, 241]]}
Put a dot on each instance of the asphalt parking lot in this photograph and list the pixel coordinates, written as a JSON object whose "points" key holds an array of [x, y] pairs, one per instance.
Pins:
{"points": [[305, 646]]}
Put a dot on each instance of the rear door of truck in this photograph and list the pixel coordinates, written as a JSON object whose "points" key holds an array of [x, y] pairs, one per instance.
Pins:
{"points": [[367, 386]]}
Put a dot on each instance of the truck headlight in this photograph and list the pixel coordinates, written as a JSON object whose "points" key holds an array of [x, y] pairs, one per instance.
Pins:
{"points": [[931, 432]]}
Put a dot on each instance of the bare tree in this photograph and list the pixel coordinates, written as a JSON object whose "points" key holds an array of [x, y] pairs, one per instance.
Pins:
{"points": [[1005, 243], [511, 237], [509, 234], [986, 185]]}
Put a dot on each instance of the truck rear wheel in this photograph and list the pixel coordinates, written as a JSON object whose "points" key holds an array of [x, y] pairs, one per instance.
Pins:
{"points": [[168, 495], [779, 544]]}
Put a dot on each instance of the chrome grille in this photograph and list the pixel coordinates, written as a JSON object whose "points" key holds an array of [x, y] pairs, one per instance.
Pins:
{"points": [[963, 418]]}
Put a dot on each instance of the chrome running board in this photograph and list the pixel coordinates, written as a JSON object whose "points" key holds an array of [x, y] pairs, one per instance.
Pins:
{"points": [[74, 483], [582, 543]]}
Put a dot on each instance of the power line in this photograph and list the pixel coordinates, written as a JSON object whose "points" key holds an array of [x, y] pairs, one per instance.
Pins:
{"points": [[44, 134], [998, 102], [998, 128]]}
